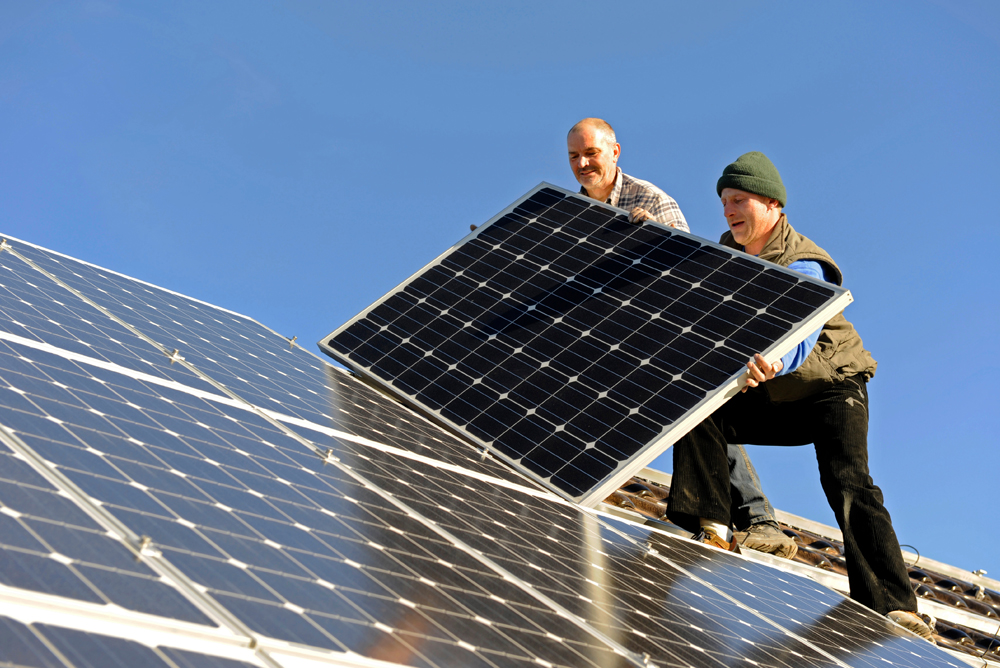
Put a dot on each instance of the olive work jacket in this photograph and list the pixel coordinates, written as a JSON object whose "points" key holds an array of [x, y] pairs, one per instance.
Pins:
{"points": [[839, 352]]}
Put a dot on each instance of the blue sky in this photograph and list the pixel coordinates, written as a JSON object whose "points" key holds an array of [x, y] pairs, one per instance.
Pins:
{"points": [[294, 161]]}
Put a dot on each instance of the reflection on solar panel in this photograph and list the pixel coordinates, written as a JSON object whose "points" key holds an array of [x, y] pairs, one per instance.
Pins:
{"points": [[278, 512], [576, 345]]}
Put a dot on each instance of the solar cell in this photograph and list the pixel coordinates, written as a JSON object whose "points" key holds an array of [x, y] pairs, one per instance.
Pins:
{"points": [[575, 345], [370, 546]]}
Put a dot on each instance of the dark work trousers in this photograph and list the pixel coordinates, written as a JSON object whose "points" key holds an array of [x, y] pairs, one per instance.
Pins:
{"points": [[836, 421]]}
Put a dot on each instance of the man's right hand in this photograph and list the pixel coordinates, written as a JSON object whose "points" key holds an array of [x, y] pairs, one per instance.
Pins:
{"points": [[759, 371], [638, 214]]}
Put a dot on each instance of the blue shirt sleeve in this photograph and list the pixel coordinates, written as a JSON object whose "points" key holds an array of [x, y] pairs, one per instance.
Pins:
{"points": [[794, 359]]}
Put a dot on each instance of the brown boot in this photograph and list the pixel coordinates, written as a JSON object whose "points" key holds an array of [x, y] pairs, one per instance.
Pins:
{"points": [[767, 537], [911, 621]]}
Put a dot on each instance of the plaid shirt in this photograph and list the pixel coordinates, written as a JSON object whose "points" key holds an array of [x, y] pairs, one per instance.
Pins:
{"points": [[631, 192]]}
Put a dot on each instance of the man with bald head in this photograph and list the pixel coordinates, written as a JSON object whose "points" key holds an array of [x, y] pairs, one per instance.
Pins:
{"points": [[593, 156]]}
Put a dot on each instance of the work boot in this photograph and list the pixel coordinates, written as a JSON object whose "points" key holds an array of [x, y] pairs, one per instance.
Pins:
{"points": [[767, 537], [709, 537], [911, 621]]}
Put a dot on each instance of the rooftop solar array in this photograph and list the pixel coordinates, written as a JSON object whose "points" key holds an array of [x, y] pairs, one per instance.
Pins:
{"points": [[576, 345], [181, 487]]}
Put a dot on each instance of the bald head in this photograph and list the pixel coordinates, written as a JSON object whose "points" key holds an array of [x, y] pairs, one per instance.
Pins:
{"points": [[597, 125], [593, 156]]}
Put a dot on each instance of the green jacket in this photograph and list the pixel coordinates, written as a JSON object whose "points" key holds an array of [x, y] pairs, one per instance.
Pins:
{"points": [[839, 352]]}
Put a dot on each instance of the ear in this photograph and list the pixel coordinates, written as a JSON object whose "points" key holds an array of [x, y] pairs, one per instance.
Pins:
{"points": [[617, 151]]}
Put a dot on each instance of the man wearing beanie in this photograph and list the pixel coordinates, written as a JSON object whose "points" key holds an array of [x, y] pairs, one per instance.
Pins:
{"points": [[593, 157], [815, 394]]}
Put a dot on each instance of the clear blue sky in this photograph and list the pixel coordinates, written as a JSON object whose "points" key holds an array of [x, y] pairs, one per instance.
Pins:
{"points": [[293, 161]]}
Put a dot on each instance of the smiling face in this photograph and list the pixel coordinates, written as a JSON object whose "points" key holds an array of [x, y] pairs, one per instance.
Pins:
{"points": [[593, 156], [750, 217]]}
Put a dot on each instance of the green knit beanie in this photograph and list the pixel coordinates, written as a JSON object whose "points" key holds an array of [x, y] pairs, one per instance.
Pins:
{"points": [[754, 173]]}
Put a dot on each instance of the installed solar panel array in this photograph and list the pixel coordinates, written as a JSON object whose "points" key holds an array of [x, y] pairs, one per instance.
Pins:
{"points": [[277, 512], [576, 345]]}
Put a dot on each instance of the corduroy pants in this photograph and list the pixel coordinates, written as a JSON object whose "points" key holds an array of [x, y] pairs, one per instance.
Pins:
{"points": [[836, 422]]}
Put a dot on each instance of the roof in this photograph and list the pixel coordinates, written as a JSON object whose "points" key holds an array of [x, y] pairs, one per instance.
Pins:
{"points": [[180, 486]]}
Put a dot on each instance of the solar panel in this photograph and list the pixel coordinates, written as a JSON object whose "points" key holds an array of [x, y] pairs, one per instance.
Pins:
{"points": [[287, 383], [295, 541], [48, 545], [575, 345], [316, 561], [21, 647], [37, 645]]}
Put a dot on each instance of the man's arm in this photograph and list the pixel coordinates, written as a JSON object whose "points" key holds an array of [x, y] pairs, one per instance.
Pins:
{"points": [[757, 372], [654, 204], [797, 356]]}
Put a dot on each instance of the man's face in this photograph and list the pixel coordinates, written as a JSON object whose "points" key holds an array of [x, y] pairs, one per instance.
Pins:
{"points": [[750, 217], [593, 158]]}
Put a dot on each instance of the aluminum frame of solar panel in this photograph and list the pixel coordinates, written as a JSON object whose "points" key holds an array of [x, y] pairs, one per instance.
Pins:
{"points": [[539, 336]]}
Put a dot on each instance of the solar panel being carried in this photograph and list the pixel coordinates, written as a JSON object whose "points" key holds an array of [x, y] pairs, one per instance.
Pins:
{"points": [[576, 345]]}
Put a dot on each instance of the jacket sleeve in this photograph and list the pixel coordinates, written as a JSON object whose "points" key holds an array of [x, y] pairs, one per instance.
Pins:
{"points": [[794, 359]]}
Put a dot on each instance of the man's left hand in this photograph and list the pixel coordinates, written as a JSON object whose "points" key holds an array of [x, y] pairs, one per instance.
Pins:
{"points": [[759, 371]]}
